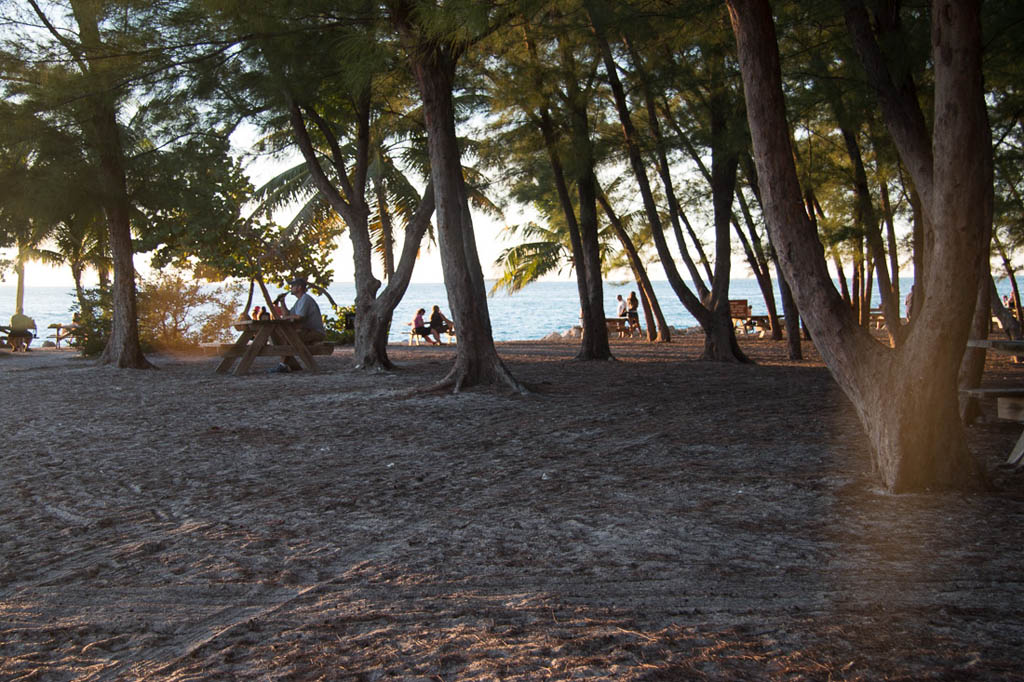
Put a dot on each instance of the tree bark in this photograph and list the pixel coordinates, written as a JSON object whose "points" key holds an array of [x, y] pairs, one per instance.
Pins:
{"points": [[373, 313], [596, 346], [476, 361], [589, 322], [123, 348], [906, 398], [973, 362], [713, 315]]}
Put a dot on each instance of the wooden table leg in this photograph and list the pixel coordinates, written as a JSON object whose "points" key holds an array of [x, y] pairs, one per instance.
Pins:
{"points": [[262, 336], [291, 335], [1016, 457], [237, 350]]}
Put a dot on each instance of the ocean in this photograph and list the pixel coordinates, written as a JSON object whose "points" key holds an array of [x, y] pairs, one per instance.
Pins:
{"points": [[533, 313]]}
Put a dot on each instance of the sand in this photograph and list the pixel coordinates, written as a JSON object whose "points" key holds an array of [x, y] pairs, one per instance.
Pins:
{"points": [[655, 518]]}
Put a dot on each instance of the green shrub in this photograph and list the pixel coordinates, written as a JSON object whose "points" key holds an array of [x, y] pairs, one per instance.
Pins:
{"points": [[175, 313], [95, 316], [340, 329]]}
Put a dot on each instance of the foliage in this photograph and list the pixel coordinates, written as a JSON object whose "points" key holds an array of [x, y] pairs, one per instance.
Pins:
{"points": [[339, 327], [175, 312], [95, 309], [178, 313]]}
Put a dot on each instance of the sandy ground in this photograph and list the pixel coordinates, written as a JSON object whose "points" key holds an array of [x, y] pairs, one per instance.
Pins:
{"points": [[655, 518]]}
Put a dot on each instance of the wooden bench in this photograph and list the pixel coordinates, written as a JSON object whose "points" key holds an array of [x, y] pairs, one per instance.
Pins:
{"points": [[1009, 406], [415, 339], [228, 350], [743, 318], [618, 325]]}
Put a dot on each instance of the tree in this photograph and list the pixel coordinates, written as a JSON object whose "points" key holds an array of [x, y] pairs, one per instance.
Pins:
{"points": [[712, 313], [434, 39], [105, 75], [906, 397]]}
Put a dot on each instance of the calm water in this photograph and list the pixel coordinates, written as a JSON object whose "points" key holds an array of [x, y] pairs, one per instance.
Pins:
{"points": [[533, 313]]}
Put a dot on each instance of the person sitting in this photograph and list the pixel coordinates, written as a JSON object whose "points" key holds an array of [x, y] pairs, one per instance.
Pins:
{"points": [[68, 331], [20, 337], [439, 324], [306, 311], [419, 328]]}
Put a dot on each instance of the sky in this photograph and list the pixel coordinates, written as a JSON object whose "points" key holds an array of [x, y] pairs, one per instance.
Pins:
{"points": [[427, 270]]}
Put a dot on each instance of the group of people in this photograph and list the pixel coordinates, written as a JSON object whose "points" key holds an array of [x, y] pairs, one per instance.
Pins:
{"points": [[629, 309], [439, 324]]}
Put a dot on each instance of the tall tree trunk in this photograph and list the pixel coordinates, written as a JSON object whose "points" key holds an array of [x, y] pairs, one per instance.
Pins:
{"points": [[789, 309], [590, 323], [890, 237], [713, 316], [373, 313], [675, 211], [19, 287], [76, 276], [123, 348], [476, 361], [906, 398], [791, 312], [596, 347], [386, 228], [586, 262]]}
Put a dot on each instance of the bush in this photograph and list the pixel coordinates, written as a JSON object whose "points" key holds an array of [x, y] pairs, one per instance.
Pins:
{"points": [[341, 328], [174, 313], [95, 317], [178, 313]]}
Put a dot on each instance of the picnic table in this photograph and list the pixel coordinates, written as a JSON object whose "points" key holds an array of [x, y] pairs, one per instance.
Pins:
{"points": [[278, 337], [1009, 399], [62, 332]]}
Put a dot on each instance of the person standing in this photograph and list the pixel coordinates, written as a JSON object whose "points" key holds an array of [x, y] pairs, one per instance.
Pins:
{"points": [[633, 308], [621, 310]]}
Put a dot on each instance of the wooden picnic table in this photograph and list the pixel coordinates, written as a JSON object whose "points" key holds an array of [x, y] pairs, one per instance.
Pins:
{"points": [[269, 337], [1010, 399]]}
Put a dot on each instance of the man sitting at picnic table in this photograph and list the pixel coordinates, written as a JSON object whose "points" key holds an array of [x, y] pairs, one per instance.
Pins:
{"points": [[307, 312], [20, 336]]}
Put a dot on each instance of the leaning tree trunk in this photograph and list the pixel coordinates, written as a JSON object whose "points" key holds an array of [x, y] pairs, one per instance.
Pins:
{"points": [[719, 343], [594, 344], [372, 328], [657, 327], [906, 398], [476, 361]]}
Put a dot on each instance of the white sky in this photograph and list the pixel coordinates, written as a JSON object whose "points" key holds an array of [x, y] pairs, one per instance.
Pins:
{"points": [[428, 267]]}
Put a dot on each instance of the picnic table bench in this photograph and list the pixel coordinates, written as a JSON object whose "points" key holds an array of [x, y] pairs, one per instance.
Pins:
{"points": [[1009, 399], [743, 317], [618, 325], [269, 337], [416, 339]]}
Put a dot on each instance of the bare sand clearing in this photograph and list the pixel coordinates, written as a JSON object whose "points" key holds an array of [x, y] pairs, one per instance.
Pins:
{"points": [[656, 518]]}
